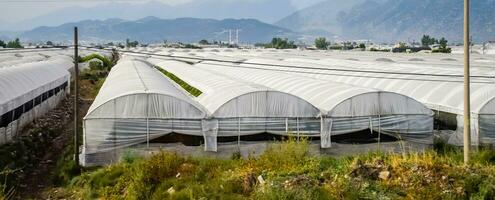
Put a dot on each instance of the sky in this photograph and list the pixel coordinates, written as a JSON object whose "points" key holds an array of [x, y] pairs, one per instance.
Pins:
{"points": [[19, 10]]}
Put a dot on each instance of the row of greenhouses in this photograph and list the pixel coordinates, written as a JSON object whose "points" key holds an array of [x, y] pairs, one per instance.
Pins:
{"points": [[32, 82], [433, 79], [138, 103], [28, 91]]}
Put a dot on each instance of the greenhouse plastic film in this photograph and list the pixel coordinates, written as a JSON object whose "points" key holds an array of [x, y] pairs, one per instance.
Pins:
{"points": [[210, 132]]}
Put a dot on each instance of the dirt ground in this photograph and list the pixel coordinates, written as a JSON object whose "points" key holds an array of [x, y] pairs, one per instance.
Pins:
{"points": [[38, 177]]}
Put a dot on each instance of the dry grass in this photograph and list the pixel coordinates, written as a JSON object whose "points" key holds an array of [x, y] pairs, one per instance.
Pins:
{"points": [[287, 171]]}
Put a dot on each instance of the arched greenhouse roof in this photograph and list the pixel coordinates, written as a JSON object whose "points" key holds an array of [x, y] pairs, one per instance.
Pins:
{"points": [[134, 89], [332, 98], [24, 82], [226, 97]]}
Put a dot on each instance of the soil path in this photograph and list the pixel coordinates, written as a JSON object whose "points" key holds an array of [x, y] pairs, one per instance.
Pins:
{"points": [[38, 177]]}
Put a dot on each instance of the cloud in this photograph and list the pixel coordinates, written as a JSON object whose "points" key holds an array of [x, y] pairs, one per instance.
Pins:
{"points": [[303, 3]]}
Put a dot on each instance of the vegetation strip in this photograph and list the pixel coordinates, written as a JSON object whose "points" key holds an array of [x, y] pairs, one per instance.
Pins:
{"points": [[107, 63], [287, 171], [192, 90]]}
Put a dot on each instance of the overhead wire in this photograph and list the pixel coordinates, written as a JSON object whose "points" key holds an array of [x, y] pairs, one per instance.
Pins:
{"points": [[322, 69]]}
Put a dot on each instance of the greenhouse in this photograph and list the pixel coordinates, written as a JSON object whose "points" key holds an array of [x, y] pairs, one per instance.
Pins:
{"points": [[343, 108], [242, 108], [28, 91], [136, 104], [441, 93], [21, 59]]}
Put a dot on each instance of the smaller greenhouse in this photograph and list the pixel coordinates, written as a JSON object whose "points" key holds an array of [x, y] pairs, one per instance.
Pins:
{"points": [[28, 91], [136, 104]]}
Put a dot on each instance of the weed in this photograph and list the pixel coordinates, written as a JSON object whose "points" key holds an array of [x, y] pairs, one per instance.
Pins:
{"points": [[286, 170]]}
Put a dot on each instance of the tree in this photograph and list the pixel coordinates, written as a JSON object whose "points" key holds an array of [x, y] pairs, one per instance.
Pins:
{"points": [[362, 46], [280, 43], [443, 47], [321, 43], [443, 43], [131, 44], [15, 44], [204, 42], [50, 43], [427, 41], [2, 44]]}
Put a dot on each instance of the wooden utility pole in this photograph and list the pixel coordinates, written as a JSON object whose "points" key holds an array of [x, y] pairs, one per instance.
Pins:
{"points": [[467, 99], [76, 98]]}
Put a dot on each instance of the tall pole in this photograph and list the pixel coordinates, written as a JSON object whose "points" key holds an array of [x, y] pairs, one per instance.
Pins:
{"points": [[76, 98], [467, 99]]}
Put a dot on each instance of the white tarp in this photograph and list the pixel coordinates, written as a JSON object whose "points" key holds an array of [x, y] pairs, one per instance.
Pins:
{"points": [[28, 91], [137, 104]]}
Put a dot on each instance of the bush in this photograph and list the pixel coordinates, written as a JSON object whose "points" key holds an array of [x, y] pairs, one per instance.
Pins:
{"points": [[336, 47], [379, 50], [442, 50], [287, 171]]}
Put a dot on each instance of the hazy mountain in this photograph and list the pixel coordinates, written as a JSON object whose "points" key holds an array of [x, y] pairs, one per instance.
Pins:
{"points": [[152, 29], [410, 19], [319, 19], [215, 9], [392, 20]]}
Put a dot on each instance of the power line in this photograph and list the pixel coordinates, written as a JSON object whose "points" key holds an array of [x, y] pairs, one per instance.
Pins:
{"points": [[29, 50], [300, 67], [343, 75]]}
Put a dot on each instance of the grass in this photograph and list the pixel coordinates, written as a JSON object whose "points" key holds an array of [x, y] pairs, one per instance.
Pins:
{"points": [[107, 63], [287, 171], [192, 90]]}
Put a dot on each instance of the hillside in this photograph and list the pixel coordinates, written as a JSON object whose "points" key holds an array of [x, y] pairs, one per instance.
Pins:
{"points": [[392, 20], [319, 19], [403, 19], [152, 29], [214, 9]]}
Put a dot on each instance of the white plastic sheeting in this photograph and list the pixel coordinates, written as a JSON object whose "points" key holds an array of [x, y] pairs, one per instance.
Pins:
{"points": [[137, 104], [27, 58], [240, 107], [28, 91], [438, 93], [225, 97], [353, 108]]}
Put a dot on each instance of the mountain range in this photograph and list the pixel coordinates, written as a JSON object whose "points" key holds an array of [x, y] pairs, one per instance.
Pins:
{"points": [[393, 20], [376, 20], [153, 29], [262, 10]]}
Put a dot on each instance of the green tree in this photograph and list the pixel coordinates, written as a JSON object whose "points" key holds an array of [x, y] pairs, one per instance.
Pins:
{"points": [[2, 44], [443, 47], [204, 42], [280, 43], [15, 44], [50, 43], [427, 41], [321, 43], [362, 46], [443, 43], [131, 44]]}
